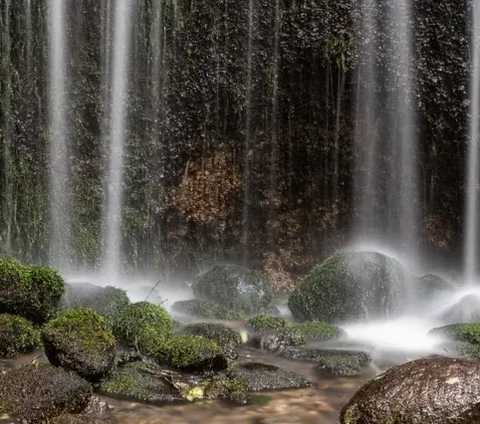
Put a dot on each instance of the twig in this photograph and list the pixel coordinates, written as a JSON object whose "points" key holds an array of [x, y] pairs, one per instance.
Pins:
{"points": [[153, 288]]}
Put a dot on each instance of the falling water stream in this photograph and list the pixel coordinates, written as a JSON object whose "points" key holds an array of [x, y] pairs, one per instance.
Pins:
{"points": [[59, 175], [118, 112], [471, 224]]}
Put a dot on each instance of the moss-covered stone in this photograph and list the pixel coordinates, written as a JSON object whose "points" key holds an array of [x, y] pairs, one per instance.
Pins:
{"points": [[348, 286], [144, 326], [235, 288], [320, 331], [263, 322], [193, 353], [207, 310], [468, 333], [275, 341], [262, 377], [146, 383], [226, 338], [38, 394], [33, 292], [106, 301], [17, 336], [80, 341]]}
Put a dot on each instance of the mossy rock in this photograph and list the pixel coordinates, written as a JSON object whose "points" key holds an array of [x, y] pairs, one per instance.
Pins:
{"points": [[106, 301], [33, 292], [17, 336], [147, 383], [193, 353], [207, 310], [257, 377], [226, 338], [261, 323], [38, 394], [275, 341], [235, 288], [144, 326], [80, 341], [320, 331], [464, 338], [350, 286]]}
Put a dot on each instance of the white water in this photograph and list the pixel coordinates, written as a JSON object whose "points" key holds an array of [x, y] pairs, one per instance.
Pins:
{"points": [[28, 22], [118, 117], [471, 226], [386, 190], [59, 181]]}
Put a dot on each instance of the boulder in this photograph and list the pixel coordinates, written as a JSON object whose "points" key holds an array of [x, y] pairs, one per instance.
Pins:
{"points": [[320, 331], [17, 336], [432, 390], [207, 310], [430, 285], [193, 353], [143, 326], [275, 341], [145, 382], [235, 288], [331, 361], [264, 322], [33, 292], [36, 394], [350, 286], [106, 301], [226, 338], [467, 309], [262, 377], [80, 341]]}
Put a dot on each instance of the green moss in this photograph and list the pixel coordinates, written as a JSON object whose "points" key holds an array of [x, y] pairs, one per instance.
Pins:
{"points": [[208, 310], [80, 341], [30, 291], [17, 336], [320, 331], [144, 326], [193, 353], [468, 333], [265, 322]]}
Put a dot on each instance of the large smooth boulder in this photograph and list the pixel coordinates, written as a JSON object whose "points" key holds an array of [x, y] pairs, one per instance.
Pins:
{"points": [[106, 301], [36, 394], [82, 342], [349, 286], [17, 336], [143, 326], [235, 288], [33, 292], [432, 390]]}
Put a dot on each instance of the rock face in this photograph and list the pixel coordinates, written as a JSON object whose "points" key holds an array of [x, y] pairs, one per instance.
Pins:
{"points": [[235, 288], [80, 341], [348, 286], [37, 394], [433, 390]]}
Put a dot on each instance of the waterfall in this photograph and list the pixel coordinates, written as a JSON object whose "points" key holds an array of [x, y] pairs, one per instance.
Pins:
{"points": [[471, 223], [118, 117], [28, 23], [386, 186], [59, 184]]}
